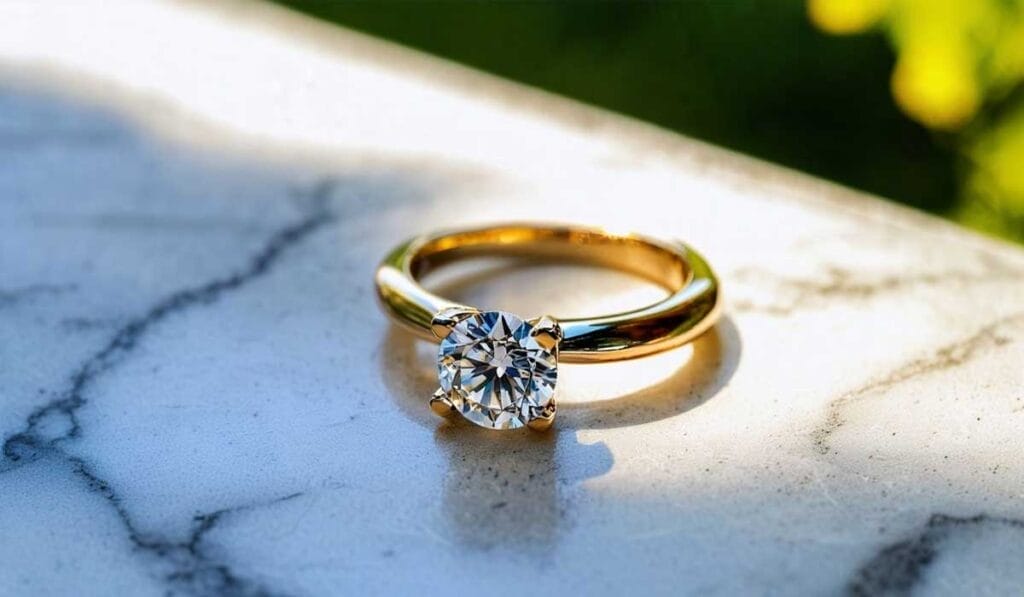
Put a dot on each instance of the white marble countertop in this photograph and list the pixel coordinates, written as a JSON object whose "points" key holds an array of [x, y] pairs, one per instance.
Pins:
{"points": [[198, 395]]}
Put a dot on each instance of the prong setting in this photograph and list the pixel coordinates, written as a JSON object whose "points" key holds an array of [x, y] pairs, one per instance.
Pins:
{"points": [[441, 404], [546, 331], [544, 418], [444, 321]]}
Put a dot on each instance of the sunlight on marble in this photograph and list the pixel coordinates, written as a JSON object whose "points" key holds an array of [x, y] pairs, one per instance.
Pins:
{"points": [[200, 396]]}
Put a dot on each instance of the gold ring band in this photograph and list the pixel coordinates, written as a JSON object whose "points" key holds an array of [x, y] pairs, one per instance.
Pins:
{"points": [[690, 310], [692, 307]]}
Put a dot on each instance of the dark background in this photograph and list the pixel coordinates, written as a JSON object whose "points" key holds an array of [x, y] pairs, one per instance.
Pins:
{"points": [[752, 76]]}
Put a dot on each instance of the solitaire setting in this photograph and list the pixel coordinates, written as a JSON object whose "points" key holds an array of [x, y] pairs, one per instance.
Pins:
{"points": [[495, 369], [499, 370]]}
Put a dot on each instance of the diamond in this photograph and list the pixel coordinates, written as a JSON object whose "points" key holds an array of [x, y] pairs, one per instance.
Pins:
{"points": [[497, 370]]}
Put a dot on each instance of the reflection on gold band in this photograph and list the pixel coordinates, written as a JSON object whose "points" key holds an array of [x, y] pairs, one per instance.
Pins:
{"points": [[691, 308]]}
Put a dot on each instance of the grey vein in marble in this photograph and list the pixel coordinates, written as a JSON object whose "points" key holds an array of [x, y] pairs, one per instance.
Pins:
{"points": [[898, 569], [199, 396], [990, 337], [56, 422], [11, 296], [838, 284]]}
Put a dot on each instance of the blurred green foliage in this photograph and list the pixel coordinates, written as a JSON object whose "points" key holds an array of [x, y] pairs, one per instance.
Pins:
{"points": [[959, 68], [767, 78]]}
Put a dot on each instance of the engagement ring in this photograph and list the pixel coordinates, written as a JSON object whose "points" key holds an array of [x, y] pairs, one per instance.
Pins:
{"points": [[499, 370]]}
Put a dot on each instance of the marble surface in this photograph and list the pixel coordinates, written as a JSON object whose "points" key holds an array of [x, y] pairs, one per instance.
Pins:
{"points": [[198, 395]]}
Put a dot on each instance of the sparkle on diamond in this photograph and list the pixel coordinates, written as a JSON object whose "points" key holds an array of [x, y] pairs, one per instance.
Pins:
{"points": [[495, 372]]}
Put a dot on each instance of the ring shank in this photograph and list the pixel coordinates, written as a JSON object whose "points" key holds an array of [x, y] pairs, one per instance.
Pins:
{"points": [[690, 309]]}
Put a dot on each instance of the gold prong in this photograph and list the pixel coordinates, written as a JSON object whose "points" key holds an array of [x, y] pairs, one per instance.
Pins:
{"points": [[546, 331], [543, 421], [441, 404], [444, 321]]}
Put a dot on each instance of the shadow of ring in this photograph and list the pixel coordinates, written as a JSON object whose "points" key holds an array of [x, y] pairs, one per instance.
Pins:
{"points": [[411, 379]]}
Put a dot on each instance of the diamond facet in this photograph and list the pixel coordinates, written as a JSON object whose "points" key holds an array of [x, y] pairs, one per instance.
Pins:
{"points": [[495, 372]]}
